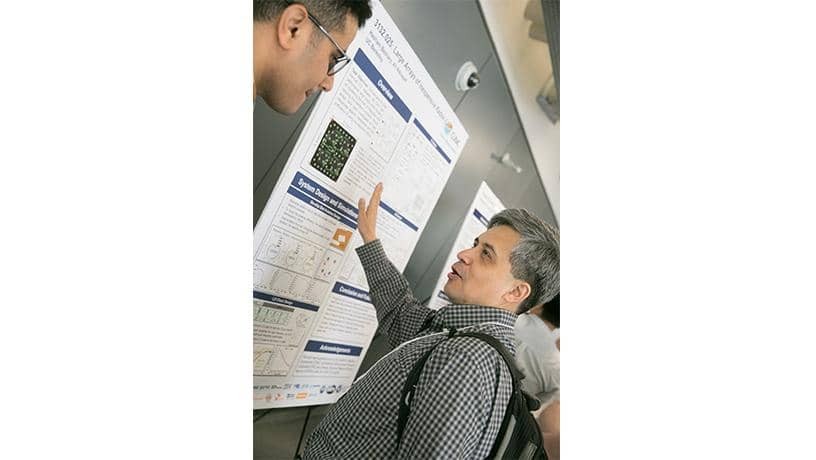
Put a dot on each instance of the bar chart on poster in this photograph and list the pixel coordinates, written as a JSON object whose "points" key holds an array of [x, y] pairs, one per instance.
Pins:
{"points": [[485, 204], [384, 121]]}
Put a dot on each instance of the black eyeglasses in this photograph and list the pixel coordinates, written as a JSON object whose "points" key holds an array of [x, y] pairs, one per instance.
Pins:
{"points": [[337, 63]]}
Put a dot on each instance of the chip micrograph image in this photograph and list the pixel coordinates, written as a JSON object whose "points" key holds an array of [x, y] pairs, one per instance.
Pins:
{"points": [[333, 151]]}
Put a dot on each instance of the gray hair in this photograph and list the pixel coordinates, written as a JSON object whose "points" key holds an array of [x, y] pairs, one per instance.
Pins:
{"points": [[536, 257]]}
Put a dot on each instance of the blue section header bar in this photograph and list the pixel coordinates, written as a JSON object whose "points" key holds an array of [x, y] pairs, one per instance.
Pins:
{"points": [[313, 194], [283, 301], [399, 216], [385, 89], [481, 217], [433, 142], [333, 348], [351, 291]]}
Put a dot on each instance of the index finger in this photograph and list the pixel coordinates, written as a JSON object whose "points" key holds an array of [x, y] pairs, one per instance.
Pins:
{"points": [[375, 197]]}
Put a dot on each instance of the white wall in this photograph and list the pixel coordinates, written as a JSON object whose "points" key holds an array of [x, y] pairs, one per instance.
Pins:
{"points": [[526, 65]]}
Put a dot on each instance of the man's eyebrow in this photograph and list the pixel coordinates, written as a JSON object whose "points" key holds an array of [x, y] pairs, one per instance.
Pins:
{"points": [[490, 247], [486, 245]]}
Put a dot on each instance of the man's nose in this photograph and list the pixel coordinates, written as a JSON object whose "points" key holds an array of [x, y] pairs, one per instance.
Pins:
{"points": [[465, 256], [327, 83]]}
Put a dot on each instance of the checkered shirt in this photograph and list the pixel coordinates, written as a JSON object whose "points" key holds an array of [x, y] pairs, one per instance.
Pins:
{"points": [[462, 393]]}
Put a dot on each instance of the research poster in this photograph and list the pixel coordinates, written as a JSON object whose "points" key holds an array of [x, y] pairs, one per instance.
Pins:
{"points": [[385, 120], [483, 207]]}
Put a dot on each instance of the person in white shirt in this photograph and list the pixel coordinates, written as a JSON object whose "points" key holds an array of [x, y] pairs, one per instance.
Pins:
{"points": [[537, 353], [538, 357]]}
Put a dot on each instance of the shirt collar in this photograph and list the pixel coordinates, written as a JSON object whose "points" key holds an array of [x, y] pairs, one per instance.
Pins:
{"points": [[459, 316]]}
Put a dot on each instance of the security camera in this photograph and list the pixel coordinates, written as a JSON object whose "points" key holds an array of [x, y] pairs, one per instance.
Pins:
{"points": [[468, 77]]}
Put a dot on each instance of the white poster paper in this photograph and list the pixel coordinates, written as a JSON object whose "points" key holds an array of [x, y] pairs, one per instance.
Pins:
{"points": [[384, 121], [483, 207]]}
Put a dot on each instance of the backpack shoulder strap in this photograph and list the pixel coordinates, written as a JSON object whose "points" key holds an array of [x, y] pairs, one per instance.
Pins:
{"points": [[531, 401], [411, 381], [413, 376], [498, 346]]}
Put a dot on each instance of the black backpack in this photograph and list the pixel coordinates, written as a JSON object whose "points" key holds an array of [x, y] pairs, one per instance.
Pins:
{"points": [[519, 436]]}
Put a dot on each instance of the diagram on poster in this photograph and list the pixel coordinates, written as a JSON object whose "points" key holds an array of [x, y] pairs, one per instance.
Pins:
{"points": [[385, 120], [485, 204]]}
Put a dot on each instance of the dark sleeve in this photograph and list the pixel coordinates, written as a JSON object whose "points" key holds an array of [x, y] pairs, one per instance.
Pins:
{"points": [[400, 314]]}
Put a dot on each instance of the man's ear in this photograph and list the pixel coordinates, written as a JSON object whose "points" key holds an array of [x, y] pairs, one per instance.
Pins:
{"points": [[290, 25], [520, 291]]}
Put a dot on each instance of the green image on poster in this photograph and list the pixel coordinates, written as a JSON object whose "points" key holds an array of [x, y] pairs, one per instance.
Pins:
{"points": [[333, 151]]}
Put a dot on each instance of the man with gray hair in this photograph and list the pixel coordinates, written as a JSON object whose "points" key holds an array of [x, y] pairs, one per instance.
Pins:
{"points": [[462, 393], [535, 257]]}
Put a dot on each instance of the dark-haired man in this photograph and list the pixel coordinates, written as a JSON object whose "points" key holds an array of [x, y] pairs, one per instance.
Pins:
{"points": [[298, 47]]}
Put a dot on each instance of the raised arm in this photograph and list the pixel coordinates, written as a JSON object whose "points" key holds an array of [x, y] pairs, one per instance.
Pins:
{"points": [[399, 313]]}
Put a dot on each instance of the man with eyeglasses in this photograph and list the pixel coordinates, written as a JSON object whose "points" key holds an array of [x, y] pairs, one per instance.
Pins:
{"points": [[298, 47]]}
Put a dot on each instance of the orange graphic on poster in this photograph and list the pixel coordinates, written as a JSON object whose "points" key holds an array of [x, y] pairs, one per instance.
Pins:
{"points": [[341, 238]]}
